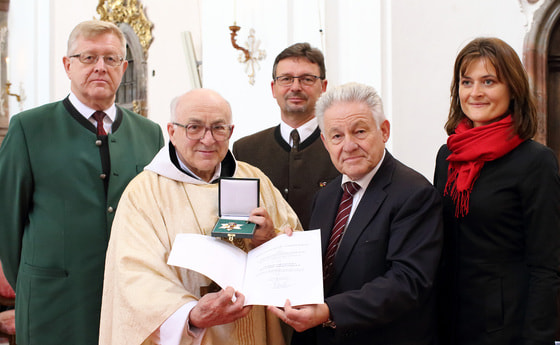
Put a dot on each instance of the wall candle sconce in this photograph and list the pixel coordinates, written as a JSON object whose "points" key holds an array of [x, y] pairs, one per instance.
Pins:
{"points": [[234, 28], [17, 96], [20, 97], [251, 55]]}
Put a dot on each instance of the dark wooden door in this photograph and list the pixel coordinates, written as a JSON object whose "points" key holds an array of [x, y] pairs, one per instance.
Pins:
{"points": [[553, 92]]}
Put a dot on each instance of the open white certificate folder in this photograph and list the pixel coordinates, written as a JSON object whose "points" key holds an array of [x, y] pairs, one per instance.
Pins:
{"points": [[286, 267]]}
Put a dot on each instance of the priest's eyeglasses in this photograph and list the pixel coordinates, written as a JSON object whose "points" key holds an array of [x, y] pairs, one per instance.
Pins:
{"points": [[287, 80], [196, 131], [90, 59]]}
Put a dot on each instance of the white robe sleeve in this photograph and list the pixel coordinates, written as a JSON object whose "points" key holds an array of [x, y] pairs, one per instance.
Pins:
{"points": [[173, 329]]}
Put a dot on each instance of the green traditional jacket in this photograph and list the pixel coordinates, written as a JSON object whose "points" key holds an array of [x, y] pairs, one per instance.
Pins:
{"points": [[61, 185]]}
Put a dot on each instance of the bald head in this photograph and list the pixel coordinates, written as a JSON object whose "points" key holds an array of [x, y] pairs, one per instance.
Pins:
{"points": [[208, 116], [200, 98]]}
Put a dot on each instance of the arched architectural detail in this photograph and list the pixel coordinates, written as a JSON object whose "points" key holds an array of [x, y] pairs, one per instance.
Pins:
{"points": [[132, 91], [129, 16], [535, 57]]}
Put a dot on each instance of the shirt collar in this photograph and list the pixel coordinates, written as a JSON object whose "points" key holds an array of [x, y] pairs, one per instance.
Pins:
{"points": [[86, 111], [304, 130], [217, 172]]}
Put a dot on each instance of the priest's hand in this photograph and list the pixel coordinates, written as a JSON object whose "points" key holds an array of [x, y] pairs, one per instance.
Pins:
{"points": [[218, 308], [288, 231], [265, 227], [302, 317]]}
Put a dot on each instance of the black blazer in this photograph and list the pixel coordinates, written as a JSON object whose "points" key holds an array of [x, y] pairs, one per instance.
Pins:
{"points": [[499, 275], [381, 292]]}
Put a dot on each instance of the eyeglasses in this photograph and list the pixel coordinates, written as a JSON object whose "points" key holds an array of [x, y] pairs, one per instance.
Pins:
{"points": [[287, 80], [90, 59], [197, 131]]}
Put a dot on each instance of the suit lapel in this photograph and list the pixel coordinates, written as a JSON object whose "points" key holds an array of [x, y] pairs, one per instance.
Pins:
{"points": [[369, 206], [330, 208]]}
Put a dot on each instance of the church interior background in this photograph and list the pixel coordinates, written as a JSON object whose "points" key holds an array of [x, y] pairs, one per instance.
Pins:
{"points": [[404, 48]]}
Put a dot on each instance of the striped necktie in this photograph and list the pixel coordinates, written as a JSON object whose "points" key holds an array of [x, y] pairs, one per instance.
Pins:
{"points": [[350, 188]]}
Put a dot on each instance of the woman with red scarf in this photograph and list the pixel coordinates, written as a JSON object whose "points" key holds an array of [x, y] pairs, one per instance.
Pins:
{"points": [[501, 193]]}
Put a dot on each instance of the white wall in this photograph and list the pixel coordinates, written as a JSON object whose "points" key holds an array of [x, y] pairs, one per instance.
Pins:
{"points": [[38, 33], [277, 25], [29, 52], [404, 48], [168, 74], [427, 35]]}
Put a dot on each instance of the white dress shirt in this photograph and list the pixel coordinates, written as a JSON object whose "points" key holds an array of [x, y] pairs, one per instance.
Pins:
{"points": [[87, 112], [304, 130]]}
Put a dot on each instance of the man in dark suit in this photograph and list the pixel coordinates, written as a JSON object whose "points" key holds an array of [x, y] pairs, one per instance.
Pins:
{"points": [[291, 154], [380, 259]]}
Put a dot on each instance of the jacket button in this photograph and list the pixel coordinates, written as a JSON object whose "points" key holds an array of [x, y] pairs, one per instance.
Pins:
{"points": [[110, 209], [102, 176], [98, 143]]}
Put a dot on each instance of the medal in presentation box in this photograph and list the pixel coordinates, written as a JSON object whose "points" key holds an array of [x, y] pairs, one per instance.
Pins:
{"points": [[237, 198]]}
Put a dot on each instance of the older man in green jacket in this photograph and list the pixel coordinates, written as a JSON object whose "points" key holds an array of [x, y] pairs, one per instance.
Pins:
{"points": [[63, 168]]}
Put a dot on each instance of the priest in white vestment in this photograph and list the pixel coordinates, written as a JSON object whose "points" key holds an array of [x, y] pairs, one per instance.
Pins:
{"points": [[146, 301]]}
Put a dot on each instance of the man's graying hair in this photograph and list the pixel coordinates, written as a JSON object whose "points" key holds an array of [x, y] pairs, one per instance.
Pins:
{"points": [[350, 92], [94, 28]]}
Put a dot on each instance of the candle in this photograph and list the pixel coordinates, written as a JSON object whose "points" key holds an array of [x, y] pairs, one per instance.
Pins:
{"points": [[7, 69], [234, 12]]}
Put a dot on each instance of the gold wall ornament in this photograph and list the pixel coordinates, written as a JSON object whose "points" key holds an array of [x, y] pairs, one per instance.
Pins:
{"points": [[140, 107], [130, 12]]}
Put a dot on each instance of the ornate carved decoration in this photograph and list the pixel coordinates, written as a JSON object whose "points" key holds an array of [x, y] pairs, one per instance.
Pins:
{"points": [[130, 12], [140, 107]]}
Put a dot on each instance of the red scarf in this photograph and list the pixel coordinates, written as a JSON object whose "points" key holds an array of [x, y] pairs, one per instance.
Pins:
{"points": [[470, 148]]}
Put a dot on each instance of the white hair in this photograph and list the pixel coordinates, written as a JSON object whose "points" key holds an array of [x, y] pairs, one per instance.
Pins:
{"points": [[350, 92]]}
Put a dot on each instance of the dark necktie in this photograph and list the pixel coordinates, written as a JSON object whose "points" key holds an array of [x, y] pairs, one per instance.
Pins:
{"points": [[98, 116], [295, 140], [350, 188]]}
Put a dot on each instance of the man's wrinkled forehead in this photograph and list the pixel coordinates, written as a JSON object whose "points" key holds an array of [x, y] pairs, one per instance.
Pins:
{"points": [[202, 121], [204, 113]]}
